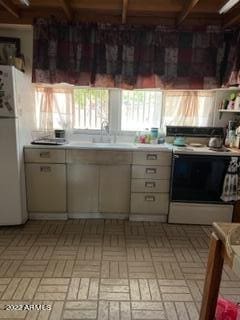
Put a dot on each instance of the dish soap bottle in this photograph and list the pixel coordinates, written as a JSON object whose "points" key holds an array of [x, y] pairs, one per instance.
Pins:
{"points": [[161, 136]]}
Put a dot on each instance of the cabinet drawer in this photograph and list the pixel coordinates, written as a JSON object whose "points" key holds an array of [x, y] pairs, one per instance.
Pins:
{"points": [[99, 157], [151, 172], [162, 158], [142, 185], [44, 155], [149, 203]]}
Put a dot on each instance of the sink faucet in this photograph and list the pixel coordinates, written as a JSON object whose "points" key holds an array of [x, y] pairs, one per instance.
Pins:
{"points": [[105, 127]]}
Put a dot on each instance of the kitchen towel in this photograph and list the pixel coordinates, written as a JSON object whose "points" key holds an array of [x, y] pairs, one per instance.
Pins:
{"points": [[231, 187]]}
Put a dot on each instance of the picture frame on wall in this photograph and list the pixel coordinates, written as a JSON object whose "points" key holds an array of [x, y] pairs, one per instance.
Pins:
{"points": [[9, 50]]}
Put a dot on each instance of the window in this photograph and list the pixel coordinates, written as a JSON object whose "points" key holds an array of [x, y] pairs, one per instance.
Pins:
{"points": [[188, 108], [84, 108], [69, 107], [140, 109], [91, 108], [54, 108]]}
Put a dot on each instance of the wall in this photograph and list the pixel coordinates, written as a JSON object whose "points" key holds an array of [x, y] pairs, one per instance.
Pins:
{"points": [[25, 33]]}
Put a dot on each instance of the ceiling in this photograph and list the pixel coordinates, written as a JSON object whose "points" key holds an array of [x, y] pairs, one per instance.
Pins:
{"points": [[168, 12]]}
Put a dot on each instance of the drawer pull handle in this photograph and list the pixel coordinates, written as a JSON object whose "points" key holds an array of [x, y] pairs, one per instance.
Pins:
{"points": [[151, 170], [149, 198], [151, 156], [45, 154], [45, 169], [150, 184]]}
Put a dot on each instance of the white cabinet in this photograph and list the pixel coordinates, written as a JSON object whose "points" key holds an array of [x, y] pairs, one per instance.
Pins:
{"points": [[88, 183], [98, 181], [114, 188], [46, 180], [46, 187], [150, 185], [83, 181]]}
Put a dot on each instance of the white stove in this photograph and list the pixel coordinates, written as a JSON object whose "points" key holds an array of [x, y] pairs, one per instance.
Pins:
{"points": [[205, 150], [197, 182]]}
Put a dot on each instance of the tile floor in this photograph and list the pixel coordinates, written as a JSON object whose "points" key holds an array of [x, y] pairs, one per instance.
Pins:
{"points": [[96, 269]]}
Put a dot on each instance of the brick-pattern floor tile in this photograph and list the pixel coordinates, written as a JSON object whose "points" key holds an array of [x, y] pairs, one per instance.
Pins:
{"points": [[138, 270], [114, 310], [143, 289], [89, 253], [114, 269], [114, 240], [106, 269], [80, 310], [147, 310], [114, 289], [86, 268], [114, 254]]}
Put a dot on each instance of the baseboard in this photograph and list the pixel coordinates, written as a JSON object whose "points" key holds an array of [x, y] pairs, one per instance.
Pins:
{"points": [[98, 215], [47, 216], [147, 217]]}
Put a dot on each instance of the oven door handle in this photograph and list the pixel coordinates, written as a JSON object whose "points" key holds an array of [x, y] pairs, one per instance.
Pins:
{"points": [[176, 156]]}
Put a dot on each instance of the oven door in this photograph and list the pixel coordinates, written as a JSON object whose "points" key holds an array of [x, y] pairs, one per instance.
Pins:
{"points": [[198, 178]]}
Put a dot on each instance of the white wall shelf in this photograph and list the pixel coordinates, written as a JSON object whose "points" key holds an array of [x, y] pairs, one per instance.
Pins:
{"points": [[229, 111]]}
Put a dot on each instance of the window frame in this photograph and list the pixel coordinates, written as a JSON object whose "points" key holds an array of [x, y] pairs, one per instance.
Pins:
{"points": [[115, 110], [134, 132], [92, 131], [115, 114]]}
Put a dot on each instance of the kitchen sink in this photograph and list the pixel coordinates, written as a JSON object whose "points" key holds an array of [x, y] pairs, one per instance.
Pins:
{"points": [[113, 145], [100, 145], [118, 145]]}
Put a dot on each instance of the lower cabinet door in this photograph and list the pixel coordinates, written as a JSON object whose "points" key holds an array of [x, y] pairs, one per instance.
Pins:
{"points": [[46, 187], [114, 189], [82, 183]]}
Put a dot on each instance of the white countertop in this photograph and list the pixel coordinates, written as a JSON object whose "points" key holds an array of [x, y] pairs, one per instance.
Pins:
{"points": [[139, 147], [107, 146]]}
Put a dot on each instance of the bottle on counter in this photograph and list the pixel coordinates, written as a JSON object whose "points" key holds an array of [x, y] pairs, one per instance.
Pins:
{"points": [[237, 138], [237, 102], [226, 142], [161, 136], [231, 138], [137, 137], [144, 136]]}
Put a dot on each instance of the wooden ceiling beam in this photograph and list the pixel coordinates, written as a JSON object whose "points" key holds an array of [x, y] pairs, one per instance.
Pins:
{"points": [[124, 11], [67, 9], [232, 20], [10, 7], [190, 4], [232, 17], [27, 17]]}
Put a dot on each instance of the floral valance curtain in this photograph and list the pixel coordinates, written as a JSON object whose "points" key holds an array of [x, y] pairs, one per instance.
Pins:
{"points": [[126, 56]]}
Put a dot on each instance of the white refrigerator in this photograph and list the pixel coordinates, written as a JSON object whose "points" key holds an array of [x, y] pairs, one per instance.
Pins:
{"points": [[16, 124]]}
